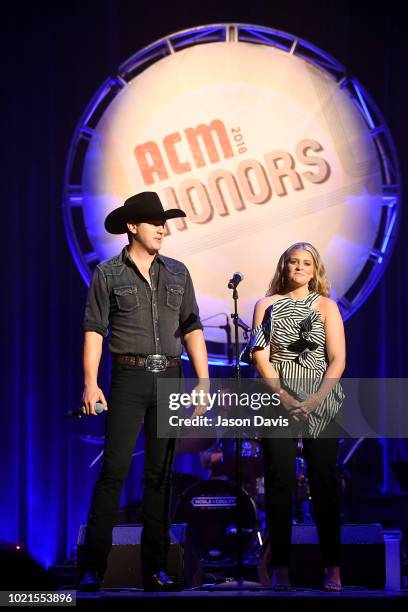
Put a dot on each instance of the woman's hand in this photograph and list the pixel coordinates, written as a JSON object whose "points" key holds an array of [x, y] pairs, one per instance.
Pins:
{"points": [[290, 405], [309, 405]]}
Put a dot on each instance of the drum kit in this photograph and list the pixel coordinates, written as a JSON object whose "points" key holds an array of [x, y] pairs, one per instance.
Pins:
{"points": [[209, 506]]}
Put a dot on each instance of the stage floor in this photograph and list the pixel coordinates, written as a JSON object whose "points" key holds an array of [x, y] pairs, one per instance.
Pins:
{"points": [[300, 599]]}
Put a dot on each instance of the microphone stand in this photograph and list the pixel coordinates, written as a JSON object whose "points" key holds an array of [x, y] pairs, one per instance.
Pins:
{"points": [[239, 583], [229, 341]]}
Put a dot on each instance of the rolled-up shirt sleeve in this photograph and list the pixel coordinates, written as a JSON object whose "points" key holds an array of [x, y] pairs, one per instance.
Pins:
{"points": [[96, 316], [189, 312]]}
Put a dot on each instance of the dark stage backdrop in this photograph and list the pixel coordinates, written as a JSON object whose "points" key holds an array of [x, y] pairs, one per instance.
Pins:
{"points": [[55, 56]]}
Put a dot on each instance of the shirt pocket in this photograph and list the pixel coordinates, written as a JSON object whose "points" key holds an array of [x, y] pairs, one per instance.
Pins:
{"points": [[174, 296], [126, 297]]}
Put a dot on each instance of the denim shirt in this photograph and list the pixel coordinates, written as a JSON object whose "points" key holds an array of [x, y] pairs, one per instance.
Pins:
{"points": [[143, 320]]}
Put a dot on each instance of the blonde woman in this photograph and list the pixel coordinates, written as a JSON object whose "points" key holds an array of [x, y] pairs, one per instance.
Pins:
{"points": [[298, 346]]}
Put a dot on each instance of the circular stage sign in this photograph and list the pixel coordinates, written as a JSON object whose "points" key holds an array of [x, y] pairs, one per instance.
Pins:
{"points": [[262, 143]]}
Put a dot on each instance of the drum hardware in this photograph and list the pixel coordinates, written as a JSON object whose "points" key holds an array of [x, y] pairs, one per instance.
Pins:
{"points": [[209, 507]]}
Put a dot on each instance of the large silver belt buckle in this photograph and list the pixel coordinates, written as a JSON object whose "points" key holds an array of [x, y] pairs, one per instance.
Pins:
{"points": [[156, 363]]}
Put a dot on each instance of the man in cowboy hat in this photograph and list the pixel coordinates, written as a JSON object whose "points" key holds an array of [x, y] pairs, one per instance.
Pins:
{"points": [[148, 303]]}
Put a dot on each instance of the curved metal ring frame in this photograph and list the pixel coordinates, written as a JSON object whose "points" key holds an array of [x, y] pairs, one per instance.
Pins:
{"points": [[84, 256]]}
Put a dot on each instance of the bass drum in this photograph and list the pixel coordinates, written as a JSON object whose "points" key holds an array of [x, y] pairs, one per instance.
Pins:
{"points": [[209, 508]]}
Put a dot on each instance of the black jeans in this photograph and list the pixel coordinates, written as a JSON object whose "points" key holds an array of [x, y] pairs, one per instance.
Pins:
{"points": [[280, 479], [132, 401]]}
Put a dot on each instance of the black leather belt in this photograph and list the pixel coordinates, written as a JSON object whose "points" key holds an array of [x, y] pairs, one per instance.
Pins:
{"points": [[153, 363]]}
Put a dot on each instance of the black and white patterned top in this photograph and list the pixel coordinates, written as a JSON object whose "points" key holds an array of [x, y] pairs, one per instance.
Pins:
{"points": [[296, 336]]}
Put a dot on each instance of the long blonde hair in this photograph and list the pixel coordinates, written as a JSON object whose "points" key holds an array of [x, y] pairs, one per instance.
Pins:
{"points": [[318, 283]]}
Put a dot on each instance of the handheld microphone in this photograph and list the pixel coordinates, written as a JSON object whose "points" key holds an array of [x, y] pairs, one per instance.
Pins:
{"points": [[235, 280], [78, 414]]}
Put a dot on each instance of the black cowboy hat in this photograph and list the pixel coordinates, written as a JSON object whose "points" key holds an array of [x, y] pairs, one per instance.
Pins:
{"points": [[144, 206]]}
